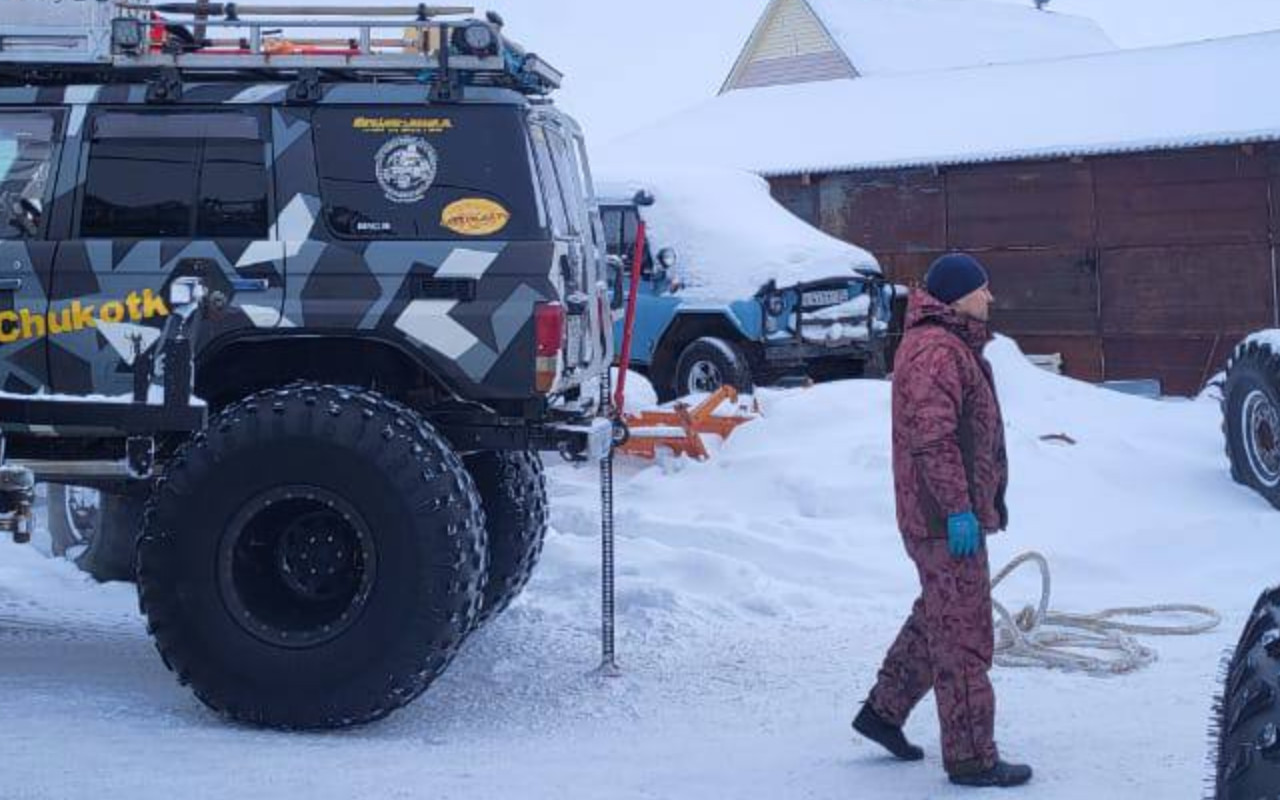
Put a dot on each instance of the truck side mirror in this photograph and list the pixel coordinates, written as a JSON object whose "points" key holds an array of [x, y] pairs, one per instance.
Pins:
{"points": [[668, 258]]}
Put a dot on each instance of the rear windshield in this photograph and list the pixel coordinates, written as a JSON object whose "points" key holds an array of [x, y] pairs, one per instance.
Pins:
{"points": [[427, 173]]}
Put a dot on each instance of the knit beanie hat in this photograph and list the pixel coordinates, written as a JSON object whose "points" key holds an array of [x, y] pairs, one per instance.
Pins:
{"points": [[953, 276]]}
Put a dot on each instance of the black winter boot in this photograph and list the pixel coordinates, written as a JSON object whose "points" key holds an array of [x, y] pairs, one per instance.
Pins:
{"points": [[1002, 775], [890, 737]]}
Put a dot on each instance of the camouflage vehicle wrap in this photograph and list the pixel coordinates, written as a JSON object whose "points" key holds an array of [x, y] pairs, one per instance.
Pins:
{"points": [[426, 229], [306, 337]]}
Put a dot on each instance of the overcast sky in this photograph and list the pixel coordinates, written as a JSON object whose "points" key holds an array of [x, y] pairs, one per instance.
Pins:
{"points": [[629, 64]]}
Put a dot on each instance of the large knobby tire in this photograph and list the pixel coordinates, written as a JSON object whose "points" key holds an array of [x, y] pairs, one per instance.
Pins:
{"points": [[707, 364], [313, 559], [1251, 405], [1248, 713], [513, 491], [103, 526]]}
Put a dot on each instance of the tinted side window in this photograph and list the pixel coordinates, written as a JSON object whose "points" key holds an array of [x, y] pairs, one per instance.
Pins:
{"points": [[167, 176], [568, 177], [233, 191], [26, 160], [547, 181], [140, 189]]}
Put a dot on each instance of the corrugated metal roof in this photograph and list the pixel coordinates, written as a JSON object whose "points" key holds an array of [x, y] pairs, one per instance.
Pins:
{"points": [[1271, 135]]}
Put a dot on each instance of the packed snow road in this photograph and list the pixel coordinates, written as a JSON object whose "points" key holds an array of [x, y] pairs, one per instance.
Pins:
{"points": [[757, 594]]}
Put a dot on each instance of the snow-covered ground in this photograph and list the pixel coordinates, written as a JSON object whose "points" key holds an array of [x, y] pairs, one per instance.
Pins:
{"points": [[758, 592]]}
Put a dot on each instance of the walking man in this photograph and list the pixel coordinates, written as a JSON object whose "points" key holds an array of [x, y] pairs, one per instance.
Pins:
{"points": [[950, 472]]}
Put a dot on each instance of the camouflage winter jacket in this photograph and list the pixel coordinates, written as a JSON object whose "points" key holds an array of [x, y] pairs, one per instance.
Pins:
{"points": [[948, 434]]}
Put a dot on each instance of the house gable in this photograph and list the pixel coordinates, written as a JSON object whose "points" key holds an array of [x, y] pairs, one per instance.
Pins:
{"points": [[789, 45]]}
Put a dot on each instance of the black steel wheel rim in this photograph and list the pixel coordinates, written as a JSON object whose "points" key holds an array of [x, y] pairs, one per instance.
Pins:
{"points": [[296, 566]]}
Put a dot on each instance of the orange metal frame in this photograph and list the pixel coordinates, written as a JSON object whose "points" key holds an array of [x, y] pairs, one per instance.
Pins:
{"points": [[651, 430]]}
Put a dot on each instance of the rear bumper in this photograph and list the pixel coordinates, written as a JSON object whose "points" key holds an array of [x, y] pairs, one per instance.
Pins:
{"points": [[590, 441]]}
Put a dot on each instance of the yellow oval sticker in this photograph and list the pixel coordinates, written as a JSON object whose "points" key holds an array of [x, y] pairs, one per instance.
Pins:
{"points": [[475, 217]]}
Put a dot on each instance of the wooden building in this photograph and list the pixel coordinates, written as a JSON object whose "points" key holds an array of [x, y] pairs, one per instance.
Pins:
{"points": [[1139, 265]]}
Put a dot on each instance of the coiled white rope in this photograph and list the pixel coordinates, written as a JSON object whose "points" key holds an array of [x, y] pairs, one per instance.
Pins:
{"points": [[1098, 644]]}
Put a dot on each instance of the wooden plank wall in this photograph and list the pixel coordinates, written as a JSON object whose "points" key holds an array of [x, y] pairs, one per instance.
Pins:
{"points": [[1147, 265]]}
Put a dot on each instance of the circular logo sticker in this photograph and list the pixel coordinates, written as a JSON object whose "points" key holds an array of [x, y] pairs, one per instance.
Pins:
{"points": [[406, 167], [475, 216]]}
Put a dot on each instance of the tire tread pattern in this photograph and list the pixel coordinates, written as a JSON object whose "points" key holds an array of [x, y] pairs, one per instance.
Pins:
{"points": [[400, 440], [1246, 755]]}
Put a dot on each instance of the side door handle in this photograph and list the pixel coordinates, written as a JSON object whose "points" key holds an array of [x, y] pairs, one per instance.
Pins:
{"points": [[10, 284]]}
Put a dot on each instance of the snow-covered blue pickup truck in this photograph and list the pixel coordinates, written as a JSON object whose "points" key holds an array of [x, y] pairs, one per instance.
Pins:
{"points": [[736, 290]]}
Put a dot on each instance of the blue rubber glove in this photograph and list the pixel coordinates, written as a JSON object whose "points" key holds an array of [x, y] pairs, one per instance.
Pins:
{"points": [[964, 534]]}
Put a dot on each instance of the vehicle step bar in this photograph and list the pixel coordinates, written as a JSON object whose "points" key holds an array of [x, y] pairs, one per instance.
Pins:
{"points": [[55, 471]]}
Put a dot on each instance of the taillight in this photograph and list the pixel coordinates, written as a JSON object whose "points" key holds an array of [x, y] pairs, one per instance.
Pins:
{"points": [[548, 321]]}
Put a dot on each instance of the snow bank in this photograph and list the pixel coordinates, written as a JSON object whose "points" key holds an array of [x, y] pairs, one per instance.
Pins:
{"points": [[640, 393], [731, 235]]}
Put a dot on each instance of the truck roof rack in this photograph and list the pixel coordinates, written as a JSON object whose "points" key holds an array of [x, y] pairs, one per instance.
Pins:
{"points": [[114, 41]]}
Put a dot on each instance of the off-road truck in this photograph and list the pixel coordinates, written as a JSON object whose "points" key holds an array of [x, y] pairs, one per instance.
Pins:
{"points": [[305, 312]]}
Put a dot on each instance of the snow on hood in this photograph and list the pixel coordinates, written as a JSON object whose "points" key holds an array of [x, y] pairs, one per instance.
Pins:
{"points": [[732, 237]]}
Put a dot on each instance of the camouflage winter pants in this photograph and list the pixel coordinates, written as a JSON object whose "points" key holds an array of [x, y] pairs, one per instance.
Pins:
{"points": [[946, 645]]}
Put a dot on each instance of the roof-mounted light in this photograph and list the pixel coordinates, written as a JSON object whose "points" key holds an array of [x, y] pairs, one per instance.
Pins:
{"points": [[477, 39], [128, 35]]}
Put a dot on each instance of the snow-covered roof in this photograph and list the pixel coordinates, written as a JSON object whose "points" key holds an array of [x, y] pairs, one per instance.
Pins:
{"points": [[731, 235], [1149, 23], [1187, 95], [887, 36]]}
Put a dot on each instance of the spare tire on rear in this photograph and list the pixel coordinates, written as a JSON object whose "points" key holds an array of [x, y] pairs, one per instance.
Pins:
{"points": [[1251, 405], [313, 559]]}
